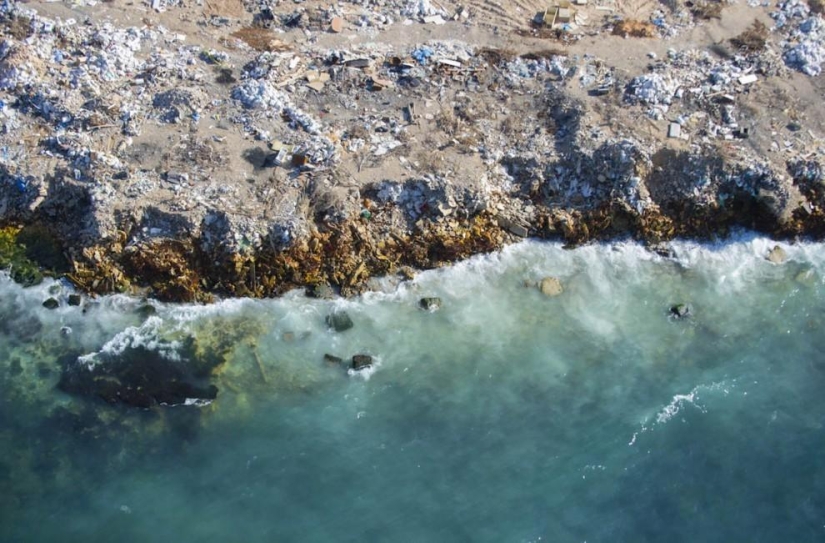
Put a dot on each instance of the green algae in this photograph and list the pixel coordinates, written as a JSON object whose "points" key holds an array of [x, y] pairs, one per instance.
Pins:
{"points": [[43, 248], [30, 253], [13, 258]]}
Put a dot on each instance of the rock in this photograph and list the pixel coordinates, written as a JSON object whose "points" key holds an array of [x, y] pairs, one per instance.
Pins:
{"points": [[777, 255], [51, 303], [339, 321], [518, 230], [550, 286], [361, 362], [322, 291], [138, 377], [806, 277], [680, 311], [662, 249], [332, 359], [514, 228], [430, 304], [407, 273], [74, 299], [145, 311]]}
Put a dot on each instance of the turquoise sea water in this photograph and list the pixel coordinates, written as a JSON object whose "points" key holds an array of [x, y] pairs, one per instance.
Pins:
{"points": [[504, 416]]}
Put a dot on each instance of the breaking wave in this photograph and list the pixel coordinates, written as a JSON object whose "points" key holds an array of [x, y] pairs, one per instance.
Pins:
{"points": [[147, 337]]}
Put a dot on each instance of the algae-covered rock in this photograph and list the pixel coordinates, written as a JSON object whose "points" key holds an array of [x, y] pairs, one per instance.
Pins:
{"points": [[322, 291], [43, 248], [157, 364], [339, 321], [138, 377], [681, 311], [430, 303], [13, 258]]}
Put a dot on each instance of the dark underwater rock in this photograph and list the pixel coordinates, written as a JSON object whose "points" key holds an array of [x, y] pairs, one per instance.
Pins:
{"points": [[332, 359], [51, 303], [340, 321], [43, 248], [138, 377], [145, 311], [681, 311]]}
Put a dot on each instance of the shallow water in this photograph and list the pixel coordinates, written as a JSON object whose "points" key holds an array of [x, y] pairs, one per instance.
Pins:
{"points": [[504, 416]]}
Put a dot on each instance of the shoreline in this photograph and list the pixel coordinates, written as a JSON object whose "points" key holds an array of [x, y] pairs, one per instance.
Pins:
{"points": [[196, 153], [343, 260]]}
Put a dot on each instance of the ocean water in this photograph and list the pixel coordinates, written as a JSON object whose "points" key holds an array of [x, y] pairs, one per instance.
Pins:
{"points": [[505, 416]]}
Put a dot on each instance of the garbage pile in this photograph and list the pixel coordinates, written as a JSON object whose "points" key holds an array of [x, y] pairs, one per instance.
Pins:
{"points": [[702, 86], [803, 38], [432, 196], [651, 89]]}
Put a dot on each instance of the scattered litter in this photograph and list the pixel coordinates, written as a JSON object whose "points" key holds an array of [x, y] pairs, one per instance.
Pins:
{"points": [[747, 79]]}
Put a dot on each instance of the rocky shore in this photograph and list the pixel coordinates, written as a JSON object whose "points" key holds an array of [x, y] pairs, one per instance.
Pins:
{"points": [[187, 151]]}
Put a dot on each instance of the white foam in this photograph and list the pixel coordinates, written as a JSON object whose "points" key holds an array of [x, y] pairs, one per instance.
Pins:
{"points": [[192, 312], [675, 405], [147, 336], [197, 402]]}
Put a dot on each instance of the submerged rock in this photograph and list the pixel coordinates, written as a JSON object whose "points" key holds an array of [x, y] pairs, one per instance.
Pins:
{"points": [[51, 303], [777, 255], [340, 321], [550, 286], [806, 277], [681, 311], [15, 367], [139, 377], [430, 304], [146, 310], [361, 362], [332, 359]]}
